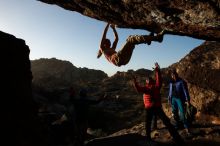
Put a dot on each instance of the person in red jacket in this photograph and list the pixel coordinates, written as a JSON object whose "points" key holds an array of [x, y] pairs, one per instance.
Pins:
{"points": [[123, 56], [153, 106]]}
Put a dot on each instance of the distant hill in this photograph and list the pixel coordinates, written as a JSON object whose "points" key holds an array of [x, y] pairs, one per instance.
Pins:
{"points": [[54, 73], [52, 79]]}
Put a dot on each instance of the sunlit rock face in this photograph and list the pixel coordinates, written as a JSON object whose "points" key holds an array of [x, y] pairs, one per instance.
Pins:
{"points": [[195, 18]]}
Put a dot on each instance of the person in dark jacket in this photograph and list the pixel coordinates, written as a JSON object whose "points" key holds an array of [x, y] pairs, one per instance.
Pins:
{"points": [[178, 96], [152, 104], [81, 106]]}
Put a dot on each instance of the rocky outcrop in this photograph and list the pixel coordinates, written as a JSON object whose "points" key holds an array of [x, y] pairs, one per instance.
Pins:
{"points": [[20, 125], [199, 19], [201, 69], [56, 74]]}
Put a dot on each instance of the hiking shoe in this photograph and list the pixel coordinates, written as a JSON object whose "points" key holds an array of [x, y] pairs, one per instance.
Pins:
{"points": [[149, 42], [178, 126], [189, 135], [160, 36], [145, 39], [151, 34]]}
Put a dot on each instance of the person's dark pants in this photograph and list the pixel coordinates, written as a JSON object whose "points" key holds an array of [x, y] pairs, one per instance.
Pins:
{"points": [[148, 120], [154, 122], [160, 113], [82, 126]]}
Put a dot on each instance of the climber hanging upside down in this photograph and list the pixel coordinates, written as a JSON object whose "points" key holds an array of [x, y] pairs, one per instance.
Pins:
{"points": [[123, 56]]}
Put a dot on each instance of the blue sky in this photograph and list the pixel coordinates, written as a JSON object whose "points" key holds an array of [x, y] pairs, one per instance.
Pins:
{"points": [[50, 31]]}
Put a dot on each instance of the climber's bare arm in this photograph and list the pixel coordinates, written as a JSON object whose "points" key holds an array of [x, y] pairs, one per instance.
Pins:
{"points": [[104, 35], [114, 45]]}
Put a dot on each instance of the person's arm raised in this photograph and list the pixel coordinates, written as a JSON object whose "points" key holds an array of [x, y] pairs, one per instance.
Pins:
{"points": [[158, 75], [104, 35], [137, 87], [114, 45], [99, 54]]}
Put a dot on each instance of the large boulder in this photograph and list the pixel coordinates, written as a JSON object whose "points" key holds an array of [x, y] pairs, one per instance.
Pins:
{"points": [[20, 124], [201, 69], [198, 19]]}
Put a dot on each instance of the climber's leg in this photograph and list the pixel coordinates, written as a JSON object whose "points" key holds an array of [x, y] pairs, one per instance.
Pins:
{"points": [[140, 39], [124, 55]]}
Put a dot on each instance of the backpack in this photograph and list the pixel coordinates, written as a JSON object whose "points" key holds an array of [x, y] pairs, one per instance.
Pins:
{"points": [[190, 113]]}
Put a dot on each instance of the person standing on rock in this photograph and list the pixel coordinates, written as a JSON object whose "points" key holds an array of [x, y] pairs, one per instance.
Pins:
{"points": [[152, 103], [178, 96], [81, 105], [123, 56]]}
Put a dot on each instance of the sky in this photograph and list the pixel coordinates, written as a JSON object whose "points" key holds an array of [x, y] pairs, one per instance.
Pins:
{"points": [[53, 32]]}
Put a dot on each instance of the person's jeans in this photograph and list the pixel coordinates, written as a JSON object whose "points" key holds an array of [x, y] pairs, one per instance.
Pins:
{"points": [[179, 112]]}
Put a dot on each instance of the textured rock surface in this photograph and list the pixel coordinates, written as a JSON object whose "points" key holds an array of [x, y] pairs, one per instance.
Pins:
{"points": [[194, 18], [201, 69]]}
